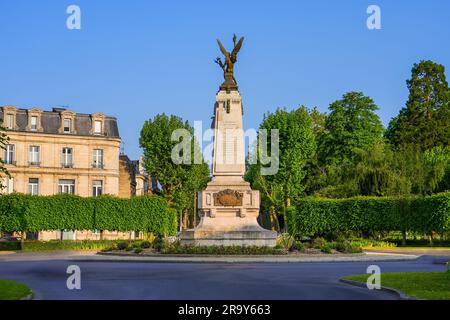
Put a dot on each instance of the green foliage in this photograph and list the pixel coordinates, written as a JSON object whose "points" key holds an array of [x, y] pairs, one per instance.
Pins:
{"points": [[10, 246], [137, 250], [351, 126], [311, 216], [325, 249], [296, 146], [300, 246], [146, 244], [28, 213], [12, 290], [385, 171], [286, 242], [346, 246], [122, 245], [370, 243], [221, 250], [179, 181], [425, 120], [318, 242], [33, 245], [419, 285]]}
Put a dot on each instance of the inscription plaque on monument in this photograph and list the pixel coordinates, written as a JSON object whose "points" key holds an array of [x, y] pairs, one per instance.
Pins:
{"points": [[228, 198]]}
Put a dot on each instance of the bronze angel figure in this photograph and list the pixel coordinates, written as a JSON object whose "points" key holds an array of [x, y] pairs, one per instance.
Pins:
{"points": [[230, 59]]}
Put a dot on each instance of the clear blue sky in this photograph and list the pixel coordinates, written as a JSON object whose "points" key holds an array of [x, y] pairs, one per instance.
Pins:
{"points": [[134, 59]]}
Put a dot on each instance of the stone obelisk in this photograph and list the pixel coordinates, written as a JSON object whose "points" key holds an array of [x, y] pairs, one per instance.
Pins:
{"points": [[229, 208]]}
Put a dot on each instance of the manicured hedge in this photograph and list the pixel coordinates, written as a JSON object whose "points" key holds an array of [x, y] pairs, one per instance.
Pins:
{"points": [[311, 216], [19, 212]]}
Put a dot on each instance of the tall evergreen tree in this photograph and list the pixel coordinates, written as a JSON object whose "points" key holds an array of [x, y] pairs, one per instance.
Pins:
{"points": [[425, 121]]}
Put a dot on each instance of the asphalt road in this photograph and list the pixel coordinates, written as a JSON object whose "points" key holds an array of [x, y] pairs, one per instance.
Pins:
{"points": [[140, 280]]}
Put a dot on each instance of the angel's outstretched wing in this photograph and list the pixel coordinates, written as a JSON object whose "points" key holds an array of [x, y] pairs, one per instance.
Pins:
{"points": [[236, 49], [222, 48]]}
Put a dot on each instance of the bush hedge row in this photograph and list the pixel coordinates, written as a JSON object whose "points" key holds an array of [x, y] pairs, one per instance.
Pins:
{"points": [[20, 212], [312, 216]]}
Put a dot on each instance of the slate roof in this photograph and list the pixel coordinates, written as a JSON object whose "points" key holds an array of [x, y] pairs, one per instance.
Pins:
{"points": [[51, 122]]}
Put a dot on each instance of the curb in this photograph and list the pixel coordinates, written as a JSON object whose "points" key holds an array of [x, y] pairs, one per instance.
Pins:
{"points": [[401, 294], [115, 257]]}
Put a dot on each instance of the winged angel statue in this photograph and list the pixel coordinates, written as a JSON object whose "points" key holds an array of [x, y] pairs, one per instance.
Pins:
{"points": [[228, 64]]}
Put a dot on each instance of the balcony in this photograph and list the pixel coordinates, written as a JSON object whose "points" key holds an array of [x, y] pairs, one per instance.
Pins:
{"points": [[98, 166], [34, 163], [10, 162], [67, 165]]}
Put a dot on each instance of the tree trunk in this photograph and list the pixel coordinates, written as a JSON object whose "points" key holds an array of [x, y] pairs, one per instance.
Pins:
{"points": [[404, 235], [274, 219], [287, 205], [195, 210], [430, 238], [181, 220], [186, 219]]}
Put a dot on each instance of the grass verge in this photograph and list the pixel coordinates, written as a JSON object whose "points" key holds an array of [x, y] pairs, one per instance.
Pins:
{"points": [[419, 285], [12, 290]]}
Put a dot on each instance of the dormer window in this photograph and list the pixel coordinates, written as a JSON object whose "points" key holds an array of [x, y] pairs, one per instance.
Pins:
{"points": [[34, 120], [98, 127], [9, 121], [97, 124], [34, 123], [67, 125]]}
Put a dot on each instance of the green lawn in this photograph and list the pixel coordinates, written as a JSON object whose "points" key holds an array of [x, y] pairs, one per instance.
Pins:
{"points": [[11, 290], [420, 285]]}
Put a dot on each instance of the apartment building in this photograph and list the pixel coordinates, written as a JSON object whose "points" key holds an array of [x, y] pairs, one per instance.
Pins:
{"points": [[60, 151]]}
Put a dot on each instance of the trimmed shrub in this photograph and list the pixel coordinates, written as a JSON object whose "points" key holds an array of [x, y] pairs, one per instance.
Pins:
{"points": [[10, 246], [122, 245], [300, 246], [318, 243], [145, 244], [34, 245], [311, 216], [326, 249], [19, 212]]}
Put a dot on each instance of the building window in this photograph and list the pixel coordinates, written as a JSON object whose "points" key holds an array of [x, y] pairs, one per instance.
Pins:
{"points": [[8, 185], [10, 154], [67, 126], [34, 121], [9, 121], [97, 188], [98, 159], [97, 127], [67, 157], [66, 186], [34, 156], [33, 186]]}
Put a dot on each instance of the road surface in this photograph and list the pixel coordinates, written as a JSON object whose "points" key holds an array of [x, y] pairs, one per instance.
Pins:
{"points": [[140, 280]]}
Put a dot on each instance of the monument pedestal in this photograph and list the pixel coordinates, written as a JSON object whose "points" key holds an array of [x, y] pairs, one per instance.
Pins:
{"points": [[229, 208], [229, 213]]}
